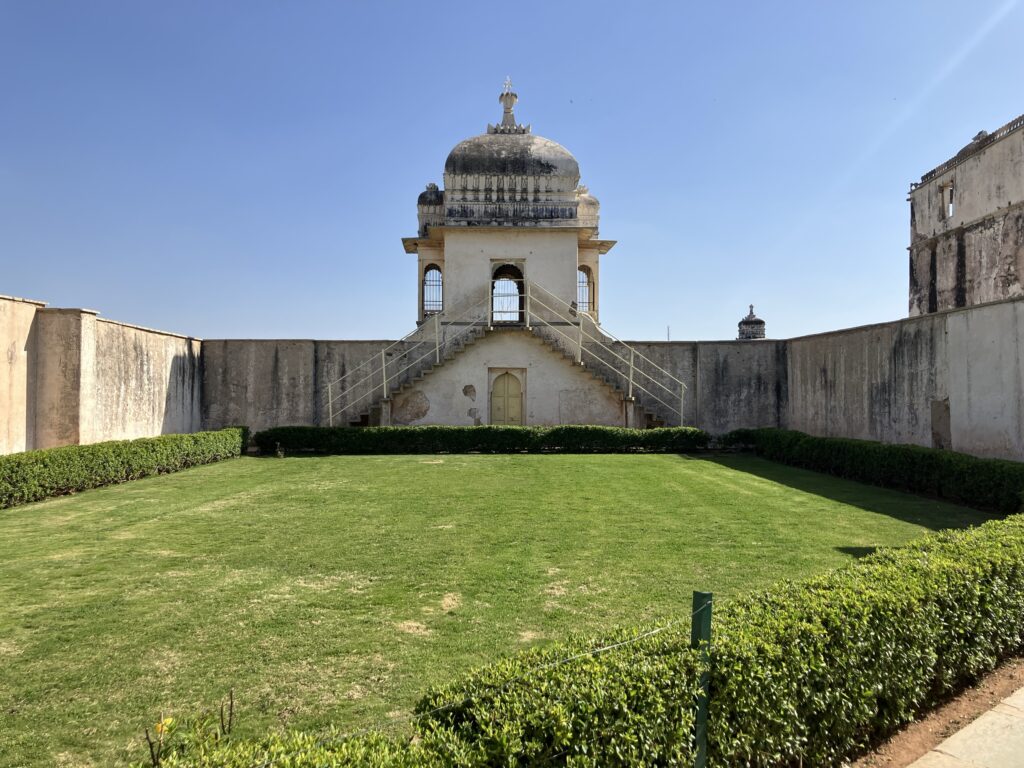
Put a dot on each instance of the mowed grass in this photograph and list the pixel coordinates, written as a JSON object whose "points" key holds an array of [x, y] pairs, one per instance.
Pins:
{"points": [[335, 590]]}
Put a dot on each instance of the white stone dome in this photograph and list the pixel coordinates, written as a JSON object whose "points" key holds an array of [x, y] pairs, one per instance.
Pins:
{"points": [[512, 154]]}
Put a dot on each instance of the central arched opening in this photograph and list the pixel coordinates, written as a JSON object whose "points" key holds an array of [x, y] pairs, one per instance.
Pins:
{"points": [[508, 298]]}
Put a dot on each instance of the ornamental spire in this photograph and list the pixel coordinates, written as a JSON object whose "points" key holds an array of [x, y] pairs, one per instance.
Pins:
{"points": [[508, 124]]}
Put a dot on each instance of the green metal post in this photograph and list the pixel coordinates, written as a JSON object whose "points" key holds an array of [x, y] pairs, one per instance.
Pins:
{"points": [[700, 638]]}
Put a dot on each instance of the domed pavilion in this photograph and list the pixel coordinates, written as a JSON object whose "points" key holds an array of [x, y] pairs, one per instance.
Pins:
{"points": [[508, 268], [512, 207]]}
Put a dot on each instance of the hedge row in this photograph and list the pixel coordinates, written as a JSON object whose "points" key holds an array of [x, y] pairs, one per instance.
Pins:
{"points": [[483, 439], [35, 475], [807, 673], [983, 483]]}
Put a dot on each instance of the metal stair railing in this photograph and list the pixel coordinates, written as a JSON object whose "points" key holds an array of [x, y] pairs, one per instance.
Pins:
{"points": [[629, 363], [379, 363], [507, 309]]}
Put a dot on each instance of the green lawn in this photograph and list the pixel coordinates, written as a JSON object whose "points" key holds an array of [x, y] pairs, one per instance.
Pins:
{"points": [[335, 590]]}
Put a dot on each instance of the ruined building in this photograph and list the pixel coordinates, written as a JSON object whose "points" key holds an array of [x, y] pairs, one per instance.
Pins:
{"points": [[508, 330], [967, 225]]}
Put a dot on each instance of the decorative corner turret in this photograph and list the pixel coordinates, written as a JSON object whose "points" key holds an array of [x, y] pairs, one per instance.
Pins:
{"points": [[751, 327], [508, 124], [430, 209]]}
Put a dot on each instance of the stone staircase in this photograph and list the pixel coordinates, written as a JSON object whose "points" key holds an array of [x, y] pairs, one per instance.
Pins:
{"points": [[371, 416], [646, 417], [652, 396]]}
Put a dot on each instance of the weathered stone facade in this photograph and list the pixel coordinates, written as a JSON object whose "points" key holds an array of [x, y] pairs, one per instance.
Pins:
{"points": [[967, 225], [71, 377]]}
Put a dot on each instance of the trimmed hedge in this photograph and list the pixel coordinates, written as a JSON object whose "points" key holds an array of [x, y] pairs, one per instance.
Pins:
{"points": [[35, 475], [299, 750], [819, 670], [632, 705], [484, 439], [992, 484], [810, 673]]}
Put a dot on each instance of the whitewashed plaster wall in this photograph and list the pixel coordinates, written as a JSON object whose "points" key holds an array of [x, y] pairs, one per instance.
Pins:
{"points": [[546, 257], [555, 390], [17, 373]]}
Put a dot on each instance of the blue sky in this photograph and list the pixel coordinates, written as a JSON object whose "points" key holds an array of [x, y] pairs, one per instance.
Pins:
{"points": [[247, 169]]}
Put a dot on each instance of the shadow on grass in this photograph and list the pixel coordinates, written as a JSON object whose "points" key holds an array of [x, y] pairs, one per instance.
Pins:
{"points": [[857, 552], [934, 514]]}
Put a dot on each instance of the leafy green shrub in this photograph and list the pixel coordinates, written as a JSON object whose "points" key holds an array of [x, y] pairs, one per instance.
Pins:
{"points": [[631, 705], [816, 671], [808, 672], [983, 483], [303, 750], [484, 439], [35, 475]]}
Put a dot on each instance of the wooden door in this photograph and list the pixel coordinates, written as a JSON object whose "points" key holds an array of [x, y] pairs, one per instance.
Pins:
{"points": [[507, 400]]}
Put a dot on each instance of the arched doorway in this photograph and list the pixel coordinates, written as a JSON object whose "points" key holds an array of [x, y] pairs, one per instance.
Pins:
{"points": [[508, 298], [507, 400]]}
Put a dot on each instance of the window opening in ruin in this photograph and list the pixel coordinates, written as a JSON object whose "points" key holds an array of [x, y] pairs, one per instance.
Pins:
{"points": [[432, 290], [946, 204], [507, 295], [584, 290]]}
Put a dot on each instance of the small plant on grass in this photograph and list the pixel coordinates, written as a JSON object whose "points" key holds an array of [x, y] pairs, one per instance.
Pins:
{"points": [[195, 736]]}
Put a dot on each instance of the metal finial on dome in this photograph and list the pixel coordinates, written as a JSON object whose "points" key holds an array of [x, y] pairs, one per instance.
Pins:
{"points": [[508, 124]]}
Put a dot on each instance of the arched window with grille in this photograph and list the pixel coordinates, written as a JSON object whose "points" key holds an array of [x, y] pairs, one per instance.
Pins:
{"points": [[433, 290], [584, 290]]}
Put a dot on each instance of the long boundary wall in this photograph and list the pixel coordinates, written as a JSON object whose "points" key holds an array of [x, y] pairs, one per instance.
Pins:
{"points": [[69, 377], [952, 379], [17, 373]]}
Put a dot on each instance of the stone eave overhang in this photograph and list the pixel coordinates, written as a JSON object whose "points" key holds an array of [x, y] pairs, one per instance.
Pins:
{"points": [[435, 236]]}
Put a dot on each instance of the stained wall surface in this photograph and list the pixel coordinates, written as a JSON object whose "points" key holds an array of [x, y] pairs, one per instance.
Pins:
{"points": [[68, 377], [985, 380], [17, 374], [144, 383], [263, 383], [951, 379], [728, 384], [875, 382], [967, 226]]}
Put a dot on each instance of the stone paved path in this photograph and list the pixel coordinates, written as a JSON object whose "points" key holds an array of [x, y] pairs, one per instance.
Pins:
{"points": [[994, 740]]}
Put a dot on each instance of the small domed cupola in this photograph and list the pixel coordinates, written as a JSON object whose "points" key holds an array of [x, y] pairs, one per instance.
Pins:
{"points": [[588, 208], [430, 209], [751, 327], [431, 196]]}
